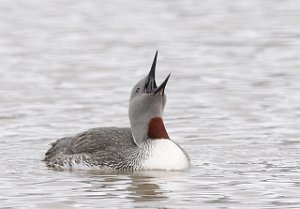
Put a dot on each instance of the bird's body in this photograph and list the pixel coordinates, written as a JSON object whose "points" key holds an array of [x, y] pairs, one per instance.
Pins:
{"points": [[144, 146], [114, 148], [106, 147]]}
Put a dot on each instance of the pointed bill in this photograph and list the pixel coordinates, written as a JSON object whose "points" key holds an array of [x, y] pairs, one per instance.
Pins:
{"points": [[161, 88], [153, 67], [150, 81]]}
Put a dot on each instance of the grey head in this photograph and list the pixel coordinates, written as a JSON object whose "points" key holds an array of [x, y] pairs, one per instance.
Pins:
{"points": [[146, 107]]}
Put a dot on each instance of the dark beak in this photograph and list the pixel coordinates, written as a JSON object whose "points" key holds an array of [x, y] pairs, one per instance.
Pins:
{"points": [[150, 85], [150, 80], [161, 88]]}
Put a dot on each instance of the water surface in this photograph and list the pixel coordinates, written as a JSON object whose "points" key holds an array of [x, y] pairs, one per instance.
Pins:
{"points": [[233, 99]]}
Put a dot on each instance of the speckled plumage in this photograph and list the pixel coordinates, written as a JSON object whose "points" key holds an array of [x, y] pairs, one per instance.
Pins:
{"points": [[106, 147]]}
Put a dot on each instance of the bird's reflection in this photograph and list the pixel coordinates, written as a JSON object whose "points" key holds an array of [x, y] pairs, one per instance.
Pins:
{"points": [[138, 186], [143, 188]]}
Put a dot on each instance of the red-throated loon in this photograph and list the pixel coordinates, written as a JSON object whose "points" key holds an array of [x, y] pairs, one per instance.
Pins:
{"points": [[144, 146]]}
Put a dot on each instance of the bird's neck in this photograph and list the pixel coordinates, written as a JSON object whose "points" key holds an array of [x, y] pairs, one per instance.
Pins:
{"points": [[156, 129]]}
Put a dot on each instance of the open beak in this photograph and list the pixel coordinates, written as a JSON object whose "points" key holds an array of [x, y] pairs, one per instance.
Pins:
{"points": [[150, 85]]}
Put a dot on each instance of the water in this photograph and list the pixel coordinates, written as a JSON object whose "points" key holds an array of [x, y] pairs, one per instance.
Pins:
{"points": [[233, 99]]}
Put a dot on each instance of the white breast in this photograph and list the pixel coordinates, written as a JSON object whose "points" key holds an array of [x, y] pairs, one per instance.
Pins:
{"points": [[164, 154]]}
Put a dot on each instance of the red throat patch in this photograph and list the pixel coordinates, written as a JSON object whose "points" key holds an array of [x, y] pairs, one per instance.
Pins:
{"points": [[156, 129]]}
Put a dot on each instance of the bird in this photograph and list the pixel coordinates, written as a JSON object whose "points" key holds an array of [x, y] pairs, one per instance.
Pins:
{"points": [[145, 145]]}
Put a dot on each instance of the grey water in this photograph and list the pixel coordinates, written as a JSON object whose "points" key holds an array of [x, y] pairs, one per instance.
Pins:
{"points": [[233, 99]]}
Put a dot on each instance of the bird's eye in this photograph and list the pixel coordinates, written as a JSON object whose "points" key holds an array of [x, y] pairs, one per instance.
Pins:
{"points": [[137, 90]]}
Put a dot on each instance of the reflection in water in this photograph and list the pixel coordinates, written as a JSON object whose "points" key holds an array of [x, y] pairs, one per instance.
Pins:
{"points": [[144, 189], [139, 186]]}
